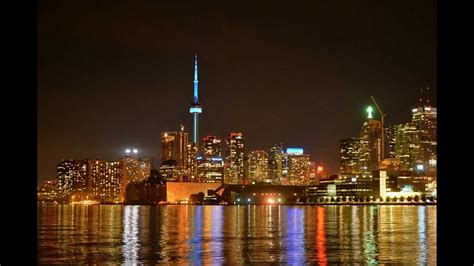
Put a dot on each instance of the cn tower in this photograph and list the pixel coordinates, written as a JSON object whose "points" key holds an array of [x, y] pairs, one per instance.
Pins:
{"points": [[195, 107]]}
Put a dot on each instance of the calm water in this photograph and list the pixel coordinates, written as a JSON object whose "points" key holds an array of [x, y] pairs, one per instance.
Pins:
{"points": [[236, 234]]}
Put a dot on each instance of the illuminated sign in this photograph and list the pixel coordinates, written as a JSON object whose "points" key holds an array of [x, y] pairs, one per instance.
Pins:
{"points": [[294, 151], [195, 110], [432, 162], [369, 111], [419, 167]]}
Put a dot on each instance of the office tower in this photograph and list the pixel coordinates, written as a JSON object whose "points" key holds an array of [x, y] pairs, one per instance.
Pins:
{"points": [[145, 168], [192, 162], [211, 146], [407, 148], [174, 147], [65, 174], [275, 163], [196, 107], [210, 165], [258, 166], [391, 132], [298, 167], [424, 119], [96, 175], [210, 169], [169, 170], [352, 165], [372, 133], [130, 170], [110, 183], [234, 160], [80, 176]]}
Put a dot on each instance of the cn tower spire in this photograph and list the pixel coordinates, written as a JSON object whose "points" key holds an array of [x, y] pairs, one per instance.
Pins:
{"points": [[196, 82], [195, 107]]}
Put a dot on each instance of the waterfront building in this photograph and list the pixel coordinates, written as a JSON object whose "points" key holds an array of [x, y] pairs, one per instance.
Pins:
{"points": [[65, 175], [298, 167]]}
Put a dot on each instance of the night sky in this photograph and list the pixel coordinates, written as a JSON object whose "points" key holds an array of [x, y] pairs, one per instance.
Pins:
{"points": [[115, 74]]}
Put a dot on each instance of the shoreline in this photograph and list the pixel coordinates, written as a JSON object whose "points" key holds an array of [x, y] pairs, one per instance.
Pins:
{"points": [[288, 204]]}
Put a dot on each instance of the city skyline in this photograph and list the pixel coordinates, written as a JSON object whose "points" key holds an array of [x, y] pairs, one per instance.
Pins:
{"points": [[263, 110]]}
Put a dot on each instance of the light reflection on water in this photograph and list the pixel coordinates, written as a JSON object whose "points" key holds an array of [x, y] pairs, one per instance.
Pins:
{"points": [[251, 234]]}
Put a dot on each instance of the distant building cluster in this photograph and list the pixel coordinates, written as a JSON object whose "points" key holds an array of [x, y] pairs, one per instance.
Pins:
{"points": [[387, 160], [381, 161], [235, 166], [96, 180]]}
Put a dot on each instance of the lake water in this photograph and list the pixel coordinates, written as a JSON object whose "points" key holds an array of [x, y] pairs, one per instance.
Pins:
{"points": [[287, 234]]}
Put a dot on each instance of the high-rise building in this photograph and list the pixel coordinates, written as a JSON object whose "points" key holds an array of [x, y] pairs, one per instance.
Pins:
{"points": [[192, 162], [276, 161], [407, 148], [234, 160], [258, 166], [424, 119], [174, 147], [210, 169], [110, 182], [145, 167], [351, 162], [65, 175], [298, 167], [372, 133], [96, 177], [211, 146], [80, 176], [196, 107], [131, 170], [391, 132]]}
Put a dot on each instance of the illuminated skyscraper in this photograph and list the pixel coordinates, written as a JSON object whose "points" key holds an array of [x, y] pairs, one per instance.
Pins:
{"points": [[391, 140], [96, 175], [80, 175], [276, 161], [174, 147], [407, 147], [211, 146], [258, 166], [65, 175], [210, 166], [130, 171], [234, 160], [351, 163], [424, 119], [192, 161], [110, 183], [196, 107], [298, 167], [372, 133], [210, 169]]}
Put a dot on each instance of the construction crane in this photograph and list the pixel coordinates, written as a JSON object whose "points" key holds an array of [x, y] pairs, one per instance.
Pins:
{"points": [[383, 128]]}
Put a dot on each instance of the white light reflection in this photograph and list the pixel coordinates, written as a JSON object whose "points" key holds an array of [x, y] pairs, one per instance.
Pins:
{"points": [[216, 236], [130, 246], [422, 233]]}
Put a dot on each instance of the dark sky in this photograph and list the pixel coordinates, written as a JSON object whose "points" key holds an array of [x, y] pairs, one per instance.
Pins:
{"points": [[115, 74]]}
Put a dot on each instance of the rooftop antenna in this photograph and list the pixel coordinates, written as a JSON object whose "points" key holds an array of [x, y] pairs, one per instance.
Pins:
{"points": [[421, 96], [428, 96]]}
